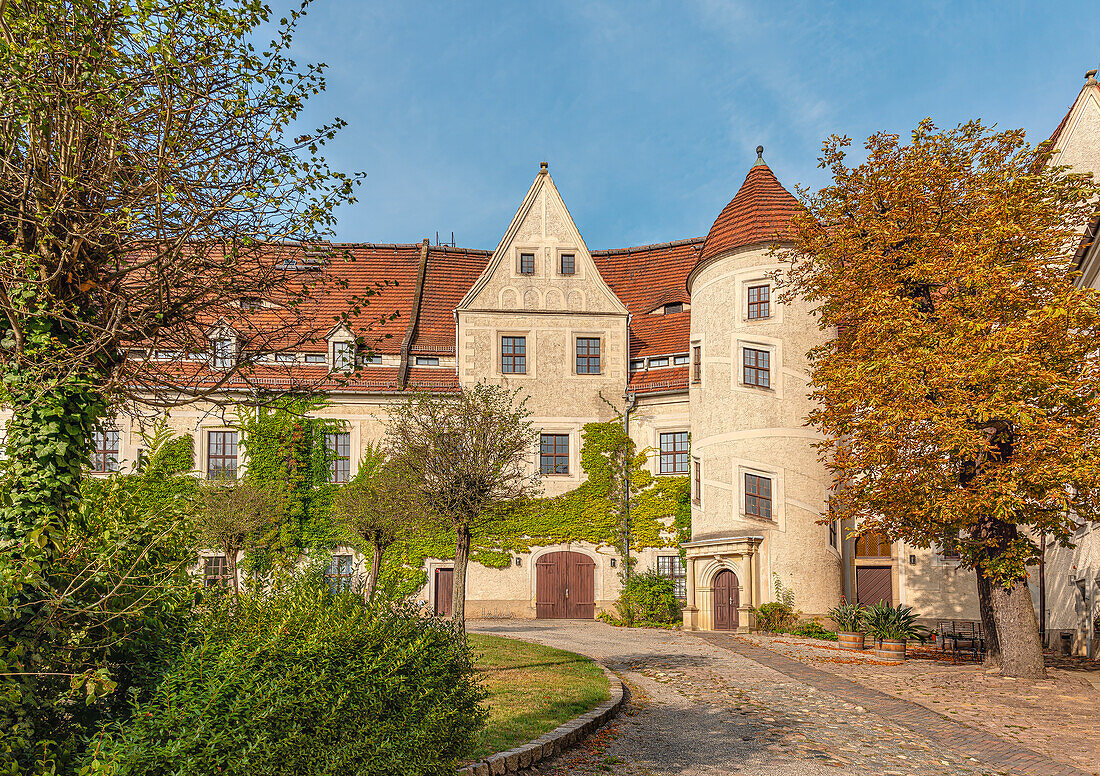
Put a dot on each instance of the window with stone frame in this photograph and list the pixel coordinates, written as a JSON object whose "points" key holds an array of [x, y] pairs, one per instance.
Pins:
{"points": [[757, 367], [674, 450], [513, 355], [759, 299], [340, 573], [696, 481], [834, 535], [215, 571], [697, 363], [527, 264], [873, 544], [338, 445], [105, 450], [949, 547], [588, 355], [554, 453], [673, 567], [568, 264], [758, 496], [221, 455]]}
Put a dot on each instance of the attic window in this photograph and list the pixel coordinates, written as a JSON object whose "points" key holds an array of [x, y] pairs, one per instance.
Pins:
{"points": [[662, 361], [315, 358], [674, 307], [285, 358], [639, 364], [252, 303], [427, 361], [343, 356], [683, 358], [224, 351], [370, 358]]}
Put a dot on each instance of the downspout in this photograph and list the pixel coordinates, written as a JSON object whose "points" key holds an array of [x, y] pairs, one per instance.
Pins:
{"points": [[631, 400], [414, 314]]}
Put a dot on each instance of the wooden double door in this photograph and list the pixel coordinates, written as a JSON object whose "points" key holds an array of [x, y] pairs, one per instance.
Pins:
{"points": [[565, 586], [727, 597]]}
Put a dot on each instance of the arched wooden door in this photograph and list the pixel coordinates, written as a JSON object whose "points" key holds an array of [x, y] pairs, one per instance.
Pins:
{"points": [[726, 600], [565, 586]]}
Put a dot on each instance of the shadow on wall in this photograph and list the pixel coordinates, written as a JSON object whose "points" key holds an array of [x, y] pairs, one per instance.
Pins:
{"points": [[941, 590]]}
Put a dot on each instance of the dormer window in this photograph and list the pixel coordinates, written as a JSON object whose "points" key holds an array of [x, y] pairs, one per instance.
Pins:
{"points": [[681, 359], [343, 356], [638, 364], [252, 303], [674, 307], [370, 359], [427, 361], [661, 361], [315, 358], [224, 351]]}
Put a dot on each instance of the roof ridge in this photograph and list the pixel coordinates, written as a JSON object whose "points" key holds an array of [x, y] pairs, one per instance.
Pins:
{"points": [[650, 247]]}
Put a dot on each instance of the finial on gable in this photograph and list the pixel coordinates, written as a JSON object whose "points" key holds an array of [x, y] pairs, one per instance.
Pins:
{"points": [[1090, 76], [544, 167], [759, 156]]}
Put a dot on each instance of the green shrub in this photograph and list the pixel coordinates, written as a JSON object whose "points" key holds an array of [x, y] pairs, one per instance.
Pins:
{"points": [[883, 621], [774, 617], [812, 630], [848, 617], [305, 682], [648, 597]]}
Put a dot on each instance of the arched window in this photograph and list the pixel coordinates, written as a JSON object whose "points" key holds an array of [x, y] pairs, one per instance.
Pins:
{"points": [[872, 545]]}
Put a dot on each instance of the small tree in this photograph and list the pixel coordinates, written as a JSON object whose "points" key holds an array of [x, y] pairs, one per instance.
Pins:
{"points": [[464, 453], [377, 507], [233, 514], [959, 399]]}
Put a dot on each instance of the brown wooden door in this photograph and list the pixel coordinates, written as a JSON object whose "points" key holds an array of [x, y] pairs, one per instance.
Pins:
{"points": [[726, 600], [873, 584], [565, 586], [444, 582]]}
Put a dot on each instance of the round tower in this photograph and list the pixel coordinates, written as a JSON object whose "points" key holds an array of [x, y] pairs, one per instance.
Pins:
{"points": [[758, 488]]}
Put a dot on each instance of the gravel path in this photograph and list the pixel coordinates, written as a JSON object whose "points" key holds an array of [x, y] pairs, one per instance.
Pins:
{"points": [[699, 709]]}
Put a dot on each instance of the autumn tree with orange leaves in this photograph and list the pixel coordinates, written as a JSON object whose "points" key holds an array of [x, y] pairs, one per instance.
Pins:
{"points": [[959, 397]]}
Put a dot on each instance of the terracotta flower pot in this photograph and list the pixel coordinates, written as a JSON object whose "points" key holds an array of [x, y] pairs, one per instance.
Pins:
{"points": [[852, 640], [891, 649]]}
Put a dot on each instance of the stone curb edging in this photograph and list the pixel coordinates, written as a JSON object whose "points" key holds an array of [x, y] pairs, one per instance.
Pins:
{"points": [[554, 742]]}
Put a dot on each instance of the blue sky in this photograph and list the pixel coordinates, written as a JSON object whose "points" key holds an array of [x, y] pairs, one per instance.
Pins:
{"points": [[649, 113]]}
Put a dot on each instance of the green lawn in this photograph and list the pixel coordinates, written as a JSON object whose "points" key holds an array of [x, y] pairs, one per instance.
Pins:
{"points": [[532, 689]]}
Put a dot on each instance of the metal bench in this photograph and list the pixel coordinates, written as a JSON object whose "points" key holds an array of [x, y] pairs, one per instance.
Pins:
{"points": [[964, 635]]}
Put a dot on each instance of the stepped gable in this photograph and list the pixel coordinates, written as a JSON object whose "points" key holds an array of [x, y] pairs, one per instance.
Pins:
{"points": [[760, 212]]}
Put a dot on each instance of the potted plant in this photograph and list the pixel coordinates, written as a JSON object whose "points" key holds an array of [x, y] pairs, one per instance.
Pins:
{"points": [[848, 618], [892, 627]]}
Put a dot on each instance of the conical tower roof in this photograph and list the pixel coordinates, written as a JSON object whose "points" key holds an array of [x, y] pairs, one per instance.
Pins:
{"points": [[760, 212]]}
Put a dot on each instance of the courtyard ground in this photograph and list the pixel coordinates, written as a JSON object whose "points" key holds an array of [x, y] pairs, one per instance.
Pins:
{"points": [[722, 704]]}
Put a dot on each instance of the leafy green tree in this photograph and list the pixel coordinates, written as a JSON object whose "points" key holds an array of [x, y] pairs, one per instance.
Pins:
{"points": [[959, 398], [466, 454], [233, 517]]}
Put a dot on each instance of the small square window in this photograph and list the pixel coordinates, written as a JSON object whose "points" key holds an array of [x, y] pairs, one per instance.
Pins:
{"points": [[105, 450], [340, 573], [215, 571], [758, 496], [554, 454], [588, 355], [339, 449], [672, 567], [757, 367], [759, 302], [427, 361], [527, 264], [513, 355], [568, 264], [343, 356], [221, 455], [674, 453]]}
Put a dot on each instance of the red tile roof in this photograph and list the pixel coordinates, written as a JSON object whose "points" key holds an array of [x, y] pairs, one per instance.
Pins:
{"points": [[659, 380], [647, 278], [760, 212]]}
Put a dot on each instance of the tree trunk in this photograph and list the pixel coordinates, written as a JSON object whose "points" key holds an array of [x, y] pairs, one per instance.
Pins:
{"points": [[989, 625], [458, 585], [1017, 631], [231, 568], [372, 580]]}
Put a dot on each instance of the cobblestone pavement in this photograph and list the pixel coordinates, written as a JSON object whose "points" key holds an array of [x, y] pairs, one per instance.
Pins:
{"points": [[1058, 718], [698, 707]]}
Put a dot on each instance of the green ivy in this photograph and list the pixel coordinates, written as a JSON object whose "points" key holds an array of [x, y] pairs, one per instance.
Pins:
{"points": [[286, 453], [660, 514]]}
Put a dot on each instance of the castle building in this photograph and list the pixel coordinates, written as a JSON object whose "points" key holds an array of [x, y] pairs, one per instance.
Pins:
{"points": [[687, 340]]}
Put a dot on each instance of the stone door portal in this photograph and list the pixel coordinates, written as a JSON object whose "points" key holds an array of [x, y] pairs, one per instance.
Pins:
{"points": [[726, 600]]}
